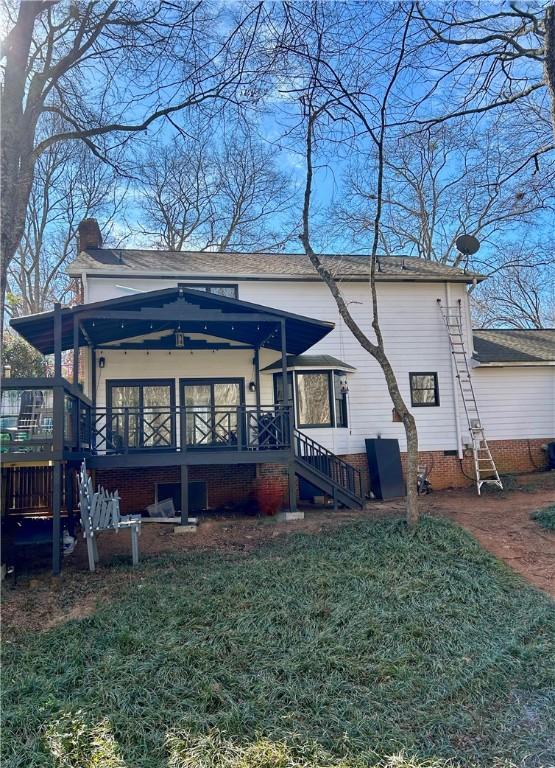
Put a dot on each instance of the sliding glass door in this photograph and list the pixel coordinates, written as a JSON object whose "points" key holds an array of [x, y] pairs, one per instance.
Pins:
{"points": [[213, 416], [141, 414]]}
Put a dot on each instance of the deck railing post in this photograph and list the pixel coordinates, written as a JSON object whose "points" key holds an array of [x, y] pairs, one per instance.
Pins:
{"points": [[126, 429]]}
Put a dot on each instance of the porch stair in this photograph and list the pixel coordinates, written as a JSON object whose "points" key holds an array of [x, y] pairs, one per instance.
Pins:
{"points": [[323, 469], [485, 470]]}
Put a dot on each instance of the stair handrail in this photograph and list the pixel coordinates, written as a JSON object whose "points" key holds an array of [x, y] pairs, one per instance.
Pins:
{"points": [[342, 473]]}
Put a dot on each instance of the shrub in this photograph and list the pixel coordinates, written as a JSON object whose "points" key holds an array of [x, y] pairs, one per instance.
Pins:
{"points": [[545, 517]]}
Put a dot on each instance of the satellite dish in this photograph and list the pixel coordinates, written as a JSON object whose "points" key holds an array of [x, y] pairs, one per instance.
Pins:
{"points": [[467, 245]]}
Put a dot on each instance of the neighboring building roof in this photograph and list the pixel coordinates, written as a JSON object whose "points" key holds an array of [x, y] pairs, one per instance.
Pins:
{"points": [[514, 346], [198, 264], [311, 361]]}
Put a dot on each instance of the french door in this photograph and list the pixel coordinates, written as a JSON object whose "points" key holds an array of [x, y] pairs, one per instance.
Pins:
{"points": [[141, 414], [213, 413]]}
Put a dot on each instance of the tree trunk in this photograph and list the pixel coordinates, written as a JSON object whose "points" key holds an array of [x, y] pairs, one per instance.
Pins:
{"points": [[18, 130]]}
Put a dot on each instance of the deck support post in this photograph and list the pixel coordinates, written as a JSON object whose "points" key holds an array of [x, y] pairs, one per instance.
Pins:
{"points": [[56, 517], [184, 494], [70, 499], [292, 478]]}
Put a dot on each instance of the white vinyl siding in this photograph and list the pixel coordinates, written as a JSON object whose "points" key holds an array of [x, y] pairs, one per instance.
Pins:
{"points": [[415, 340], [516, 402]]}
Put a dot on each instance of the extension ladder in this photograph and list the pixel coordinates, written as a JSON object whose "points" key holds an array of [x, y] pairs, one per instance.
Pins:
{"points": [[484, 465]]}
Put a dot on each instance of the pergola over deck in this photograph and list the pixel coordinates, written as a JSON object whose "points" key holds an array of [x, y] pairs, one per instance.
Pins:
{"points": [[173, 318]]}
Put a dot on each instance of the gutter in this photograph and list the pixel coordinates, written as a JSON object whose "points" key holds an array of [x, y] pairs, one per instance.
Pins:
{"points": [[514, 364], [308, 277]]}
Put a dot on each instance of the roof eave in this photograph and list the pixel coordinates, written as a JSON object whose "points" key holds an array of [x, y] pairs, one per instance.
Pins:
{"points": [[272, 276]]}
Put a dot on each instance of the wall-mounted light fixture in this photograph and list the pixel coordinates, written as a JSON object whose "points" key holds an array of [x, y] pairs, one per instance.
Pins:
{"points": [[252, 386], [101, 361], [179, 339]]}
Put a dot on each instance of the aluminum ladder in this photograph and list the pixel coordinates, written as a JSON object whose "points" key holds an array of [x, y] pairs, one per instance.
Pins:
{"points": [[484, 465]]}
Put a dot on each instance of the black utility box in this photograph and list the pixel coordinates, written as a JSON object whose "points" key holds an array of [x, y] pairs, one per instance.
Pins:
{"points": [[384, 467]]}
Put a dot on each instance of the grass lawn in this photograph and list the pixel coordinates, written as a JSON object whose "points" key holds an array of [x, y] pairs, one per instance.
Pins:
{"points": [[545, 517], [339, 649]]}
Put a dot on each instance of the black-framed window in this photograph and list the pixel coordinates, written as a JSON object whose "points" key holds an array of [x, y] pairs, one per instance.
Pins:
{"points": [[318, 396], [424, 389], [141, 412], [314, 399], [278, 388], [218, 289], [341, 419]]}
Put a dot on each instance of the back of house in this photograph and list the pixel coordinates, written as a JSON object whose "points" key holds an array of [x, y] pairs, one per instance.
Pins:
{"points": [[182, 357]]}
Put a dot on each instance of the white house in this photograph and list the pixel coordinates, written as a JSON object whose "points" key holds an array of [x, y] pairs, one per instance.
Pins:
{"points": [[182, 358]]}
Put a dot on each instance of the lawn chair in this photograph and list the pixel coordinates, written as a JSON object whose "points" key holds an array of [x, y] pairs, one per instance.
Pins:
{"points": [[100, 512]]}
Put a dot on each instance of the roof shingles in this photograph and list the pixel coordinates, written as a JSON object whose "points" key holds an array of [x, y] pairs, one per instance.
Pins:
{"points": [[205, 263], [514, 345]]}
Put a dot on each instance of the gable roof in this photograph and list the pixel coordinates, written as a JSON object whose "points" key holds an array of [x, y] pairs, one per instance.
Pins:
{"points": [[102, 322], [198, 264], [514, 346]]}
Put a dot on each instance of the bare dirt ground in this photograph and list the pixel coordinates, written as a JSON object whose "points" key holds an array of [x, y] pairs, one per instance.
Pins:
{"points": [[499, 520]]}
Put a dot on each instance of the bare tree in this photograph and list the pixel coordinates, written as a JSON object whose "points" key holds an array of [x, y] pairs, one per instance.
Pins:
{"points": [[501, 57], [69, 185], [108, 70], [330, 98], [446, 181], [202, 195], [517, 297]]}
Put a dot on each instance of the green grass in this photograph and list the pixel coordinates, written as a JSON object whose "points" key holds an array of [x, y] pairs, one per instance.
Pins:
{"points": [[545, 517], [364, 646]]}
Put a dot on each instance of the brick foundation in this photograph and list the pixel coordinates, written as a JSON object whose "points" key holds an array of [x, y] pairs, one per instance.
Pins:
{"points": [[234, 483], [510, 456], [228, 484]]}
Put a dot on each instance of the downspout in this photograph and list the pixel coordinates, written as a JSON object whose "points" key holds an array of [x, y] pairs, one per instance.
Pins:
{"points": [[454, 384]]}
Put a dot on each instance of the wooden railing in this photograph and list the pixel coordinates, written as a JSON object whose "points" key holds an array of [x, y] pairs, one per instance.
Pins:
{"points": [[339, 472], [43, 416], [242, 427]]}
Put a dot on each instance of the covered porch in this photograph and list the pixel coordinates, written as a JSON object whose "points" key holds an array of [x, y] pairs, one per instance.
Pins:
{"points": [[162, 378]]}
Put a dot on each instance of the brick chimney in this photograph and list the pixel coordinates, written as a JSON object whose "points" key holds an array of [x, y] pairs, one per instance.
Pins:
{"points": [[89, 235]]}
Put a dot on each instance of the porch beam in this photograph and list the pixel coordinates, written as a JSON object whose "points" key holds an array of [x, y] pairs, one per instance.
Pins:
{"points": [[165, 348], [180, 313], [192, 458]]}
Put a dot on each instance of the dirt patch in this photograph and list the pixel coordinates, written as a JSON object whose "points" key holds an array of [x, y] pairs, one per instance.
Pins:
{"points": [[501, 523], [499, 520]]}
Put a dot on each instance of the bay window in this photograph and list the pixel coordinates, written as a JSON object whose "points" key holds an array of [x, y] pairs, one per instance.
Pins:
{"points": [[318, 397]]}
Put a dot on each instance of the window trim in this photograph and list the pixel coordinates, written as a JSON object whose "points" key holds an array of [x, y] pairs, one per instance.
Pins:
{"points": [[412, 389], [205, 287]]}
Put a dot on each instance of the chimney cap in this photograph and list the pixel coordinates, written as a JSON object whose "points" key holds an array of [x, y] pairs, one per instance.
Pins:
{"points": [[89, 235]]}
